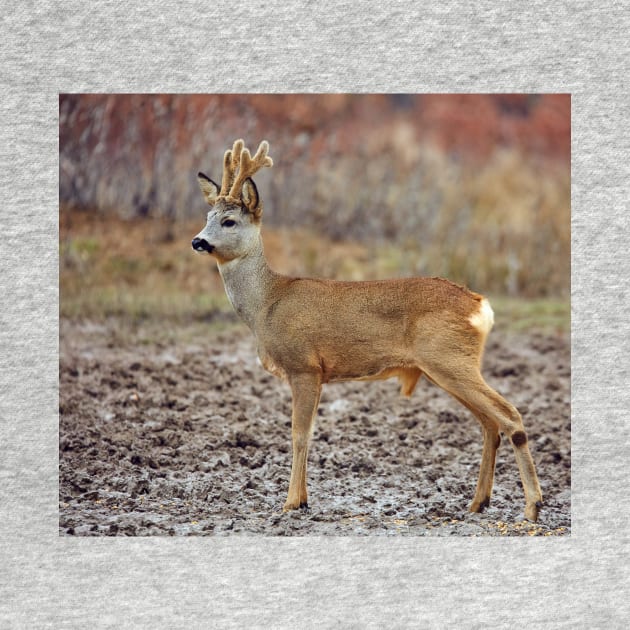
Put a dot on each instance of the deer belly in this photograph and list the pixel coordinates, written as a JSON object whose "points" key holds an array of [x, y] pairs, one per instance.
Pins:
{"points": [[407, 376]]}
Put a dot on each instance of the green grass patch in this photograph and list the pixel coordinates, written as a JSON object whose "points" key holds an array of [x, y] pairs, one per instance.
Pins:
{"points": [[549, 315], [136, 304]]}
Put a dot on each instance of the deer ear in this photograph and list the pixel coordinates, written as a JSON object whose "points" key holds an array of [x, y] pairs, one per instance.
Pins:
{"points": [[250, 198], [209, 189]]}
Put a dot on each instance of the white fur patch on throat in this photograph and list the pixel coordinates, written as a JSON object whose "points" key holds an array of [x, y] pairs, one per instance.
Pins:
{"points": [[483, 319]]}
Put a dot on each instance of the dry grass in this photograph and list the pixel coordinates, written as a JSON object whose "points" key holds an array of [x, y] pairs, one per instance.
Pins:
{"points": [[142, 270], [503, 226]]}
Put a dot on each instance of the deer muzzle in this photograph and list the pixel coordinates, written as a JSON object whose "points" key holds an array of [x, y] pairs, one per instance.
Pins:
{"points": [[201, 245]]}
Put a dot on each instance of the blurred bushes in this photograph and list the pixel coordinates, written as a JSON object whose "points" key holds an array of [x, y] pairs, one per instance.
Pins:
{"points": [[473, 187]]}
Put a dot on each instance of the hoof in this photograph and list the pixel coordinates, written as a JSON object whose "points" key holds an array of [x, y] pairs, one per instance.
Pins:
{"points": [[288, 506], [532, 511], [479, 506]]}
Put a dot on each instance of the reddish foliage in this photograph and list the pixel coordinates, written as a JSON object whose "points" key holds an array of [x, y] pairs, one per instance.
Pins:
{"points": [[472, 125], [137, 151]]}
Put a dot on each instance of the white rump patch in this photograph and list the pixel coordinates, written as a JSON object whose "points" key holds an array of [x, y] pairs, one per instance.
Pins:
{"points": [[483, 319]]}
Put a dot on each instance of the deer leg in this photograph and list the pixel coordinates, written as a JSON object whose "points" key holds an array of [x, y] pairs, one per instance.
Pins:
{"points": [[491, 441], [306, 389], [469, 387]]}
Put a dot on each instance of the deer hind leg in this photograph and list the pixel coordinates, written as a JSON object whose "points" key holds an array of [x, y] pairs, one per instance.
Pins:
{"points": [[491, 441], [306, 389], [495, 414]]}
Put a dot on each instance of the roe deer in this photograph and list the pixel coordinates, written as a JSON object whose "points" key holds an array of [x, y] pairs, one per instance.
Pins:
{"points": [[311, 331]]}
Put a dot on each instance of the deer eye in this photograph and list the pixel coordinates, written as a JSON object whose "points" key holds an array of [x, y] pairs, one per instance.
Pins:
{"points": [[228, 223]]}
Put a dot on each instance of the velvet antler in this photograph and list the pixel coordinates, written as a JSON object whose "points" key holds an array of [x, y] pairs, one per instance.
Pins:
{"points": [[231, 160], [248, 165]]}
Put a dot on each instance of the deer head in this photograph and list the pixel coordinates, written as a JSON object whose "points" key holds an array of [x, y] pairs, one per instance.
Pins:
{"points": [[233, 225]]}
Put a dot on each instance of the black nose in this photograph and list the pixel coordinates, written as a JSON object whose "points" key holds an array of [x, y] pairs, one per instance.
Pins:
{"points": [[201, 245]]}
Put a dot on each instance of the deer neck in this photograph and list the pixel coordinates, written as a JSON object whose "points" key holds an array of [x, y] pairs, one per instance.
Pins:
{"points": [[247, 281]]}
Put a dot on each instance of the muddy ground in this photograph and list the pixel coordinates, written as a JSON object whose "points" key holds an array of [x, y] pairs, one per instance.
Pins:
{"points": [[188, 435]]}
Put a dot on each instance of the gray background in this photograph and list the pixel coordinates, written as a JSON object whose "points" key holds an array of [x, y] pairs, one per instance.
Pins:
{"points": [[47, 48]]}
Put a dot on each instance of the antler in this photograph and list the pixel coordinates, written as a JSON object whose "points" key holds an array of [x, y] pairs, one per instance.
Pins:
{"points": [[231, 161], [248, 166]]}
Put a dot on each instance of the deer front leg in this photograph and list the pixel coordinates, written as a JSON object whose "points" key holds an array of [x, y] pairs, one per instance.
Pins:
{"points": [[306, 389]]}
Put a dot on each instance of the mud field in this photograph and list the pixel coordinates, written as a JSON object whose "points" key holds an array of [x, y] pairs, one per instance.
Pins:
{"points": [[188, 435]]}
